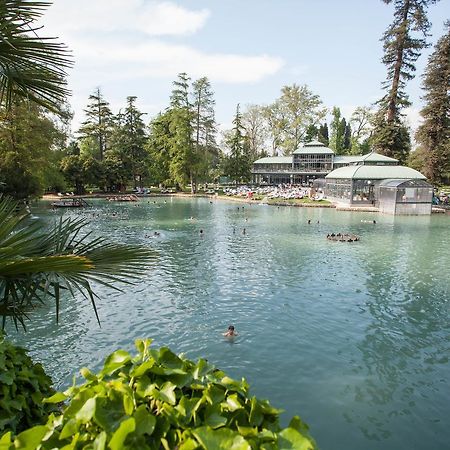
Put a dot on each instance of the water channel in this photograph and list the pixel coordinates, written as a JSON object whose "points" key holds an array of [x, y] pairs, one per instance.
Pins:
{"points": [[353, 337]]}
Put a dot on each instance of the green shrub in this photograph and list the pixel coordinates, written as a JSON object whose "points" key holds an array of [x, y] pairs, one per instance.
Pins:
{"points": [[23, 386], [158, 400]]}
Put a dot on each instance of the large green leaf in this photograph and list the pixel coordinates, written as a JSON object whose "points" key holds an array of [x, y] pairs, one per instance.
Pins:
{"points": [[290, 439], [221, 439], [118, 438], [115, 361]]}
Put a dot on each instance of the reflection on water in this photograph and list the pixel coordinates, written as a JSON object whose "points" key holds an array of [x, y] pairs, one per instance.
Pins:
{"points": [[353, 336]]}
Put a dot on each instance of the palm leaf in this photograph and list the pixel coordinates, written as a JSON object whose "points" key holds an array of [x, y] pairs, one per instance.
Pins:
{"points": [[31, 67], [36, 265]]}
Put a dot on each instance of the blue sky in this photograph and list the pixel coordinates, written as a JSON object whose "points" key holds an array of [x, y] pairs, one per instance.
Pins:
{"points": [[249, 49]]}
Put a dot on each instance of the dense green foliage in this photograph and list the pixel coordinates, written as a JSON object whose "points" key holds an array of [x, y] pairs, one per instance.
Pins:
{"points": [[236, 164], [158, 400], [403, 42], [37, 264], [178, 147], [23, 387], [433, 135], [30, 147], [96, 130]]}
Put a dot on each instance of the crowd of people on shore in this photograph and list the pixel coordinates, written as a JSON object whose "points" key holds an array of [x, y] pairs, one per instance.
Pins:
{"points": [[282, 191]]}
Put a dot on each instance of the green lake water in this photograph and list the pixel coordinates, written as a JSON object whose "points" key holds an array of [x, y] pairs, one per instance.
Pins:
{"points": [[353, 337]]}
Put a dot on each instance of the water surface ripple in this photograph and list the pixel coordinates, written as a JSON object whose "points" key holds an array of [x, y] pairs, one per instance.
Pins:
{"points": [[353, 337]]}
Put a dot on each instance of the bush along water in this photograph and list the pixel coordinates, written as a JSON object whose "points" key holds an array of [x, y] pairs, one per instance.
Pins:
{"points": [[23, 386], [158, 400]]}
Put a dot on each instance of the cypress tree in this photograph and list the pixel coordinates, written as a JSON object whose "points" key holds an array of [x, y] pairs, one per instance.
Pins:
{"points": [[433, 135], [323, 134], [347, 140]]}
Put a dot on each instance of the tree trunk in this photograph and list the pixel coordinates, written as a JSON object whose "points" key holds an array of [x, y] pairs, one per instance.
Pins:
{"points": [[392, 105]]}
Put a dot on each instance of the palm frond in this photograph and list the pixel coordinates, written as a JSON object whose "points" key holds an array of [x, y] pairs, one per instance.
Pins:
{"points": [[37, 265], [31, 67]]}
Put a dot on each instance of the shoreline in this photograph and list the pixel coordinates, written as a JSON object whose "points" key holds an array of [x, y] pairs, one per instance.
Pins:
{"points": [[49, 197], [337, 207]]}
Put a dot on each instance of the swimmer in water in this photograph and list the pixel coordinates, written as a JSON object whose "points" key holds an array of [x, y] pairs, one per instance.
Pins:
{"points": [[230, 332]]}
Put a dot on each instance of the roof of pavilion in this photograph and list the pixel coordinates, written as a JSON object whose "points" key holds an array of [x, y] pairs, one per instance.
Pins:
{"points": [[364, 172], [314, 147], [274, 160], [369, 157]]}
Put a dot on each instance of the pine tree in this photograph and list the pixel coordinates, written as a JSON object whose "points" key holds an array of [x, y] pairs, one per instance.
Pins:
{"points": [[402, 46], [184, 158], [238, 165], [179, 97], [433, 135], [158, 147], [98, 123], [128, 141], [311, 133], [204, 126], [337, 131]]}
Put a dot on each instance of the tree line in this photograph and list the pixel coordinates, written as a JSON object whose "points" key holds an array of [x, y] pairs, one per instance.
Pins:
{"points": [[182, 145]]}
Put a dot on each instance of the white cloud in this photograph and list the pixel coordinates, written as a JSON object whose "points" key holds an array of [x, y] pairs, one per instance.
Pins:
{"points": [[127, 60], [117, 40], [149, 17], [124, 47]]}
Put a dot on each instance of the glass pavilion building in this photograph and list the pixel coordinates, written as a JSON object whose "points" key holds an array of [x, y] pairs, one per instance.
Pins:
{"points": [[312, 160]]}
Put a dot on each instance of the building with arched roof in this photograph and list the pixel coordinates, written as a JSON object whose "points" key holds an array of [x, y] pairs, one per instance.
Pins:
{"points": [[310, 161]]}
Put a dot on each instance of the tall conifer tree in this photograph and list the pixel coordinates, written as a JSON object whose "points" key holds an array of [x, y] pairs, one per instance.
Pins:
{"points": [[204, 126], [238, 165], [433, 135], [403, 42], [98, 123], [182, 148]]}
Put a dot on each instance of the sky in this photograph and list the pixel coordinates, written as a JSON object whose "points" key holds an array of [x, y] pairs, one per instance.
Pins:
{"points": [[249, 49]]}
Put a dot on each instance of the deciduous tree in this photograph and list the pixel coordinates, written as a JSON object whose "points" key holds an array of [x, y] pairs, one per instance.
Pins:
{"points": [[28, 142], [292, 114]]}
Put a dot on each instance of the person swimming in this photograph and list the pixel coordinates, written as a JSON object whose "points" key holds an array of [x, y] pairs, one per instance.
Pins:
{"points": [[230, 332]]}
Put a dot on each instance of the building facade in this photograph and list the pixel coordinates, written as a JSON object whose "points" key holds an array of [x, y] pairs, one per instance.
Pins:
{"points": [[309, 162], [359, 185]]}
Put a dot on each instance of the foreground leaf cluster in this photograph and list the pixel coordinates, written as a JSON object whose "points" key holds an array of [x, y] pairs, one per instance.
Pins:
{"points": [[158, 400], [23, 387]]}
